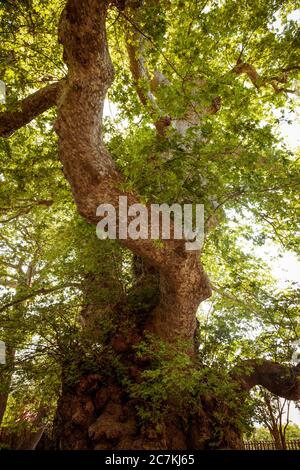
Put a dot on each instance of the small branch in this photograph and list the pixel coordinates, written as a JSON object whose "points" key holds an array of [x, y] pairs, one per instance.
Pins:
{"points": [[145, 86], [28, 109], [8, 283], [140, 73], [152, 43], [282, 380]]}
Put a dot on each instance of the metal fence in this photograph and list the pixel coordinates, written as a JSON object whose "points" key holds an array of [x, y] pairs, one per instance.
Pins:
{"points": [[292, 444]]}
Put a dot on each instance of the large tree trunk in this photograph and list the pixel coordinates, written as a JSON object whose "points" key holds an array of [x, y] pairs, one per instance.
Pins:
{"points": [[97, 410]]}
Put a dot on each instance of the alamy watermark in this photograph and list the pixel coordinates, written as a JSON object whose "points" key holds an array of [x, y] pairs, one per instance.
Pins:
{"points": [[156, 222]]}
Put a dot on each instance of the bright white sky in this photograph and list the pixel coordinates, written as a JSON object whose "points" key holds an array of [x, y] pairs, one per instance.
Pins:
{"points": [[286, 267]]}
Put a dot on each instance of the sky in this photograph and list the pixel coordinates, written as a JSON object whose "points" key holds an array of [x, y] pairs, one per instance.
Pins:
{"points": [[287, 268]]}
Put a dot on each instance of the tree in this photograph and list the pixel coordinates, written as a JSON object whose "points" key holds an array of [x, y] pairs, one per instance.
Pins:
{"points": [[203, 81], [263, 433], [293, 431]]}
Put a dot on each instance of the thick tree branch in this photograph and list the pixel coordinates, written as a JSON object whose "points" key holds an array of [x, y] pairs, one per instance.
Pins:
{"points": [[92, 173], [145, 86], [138, 67], [28, 109], [282, 380]]}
